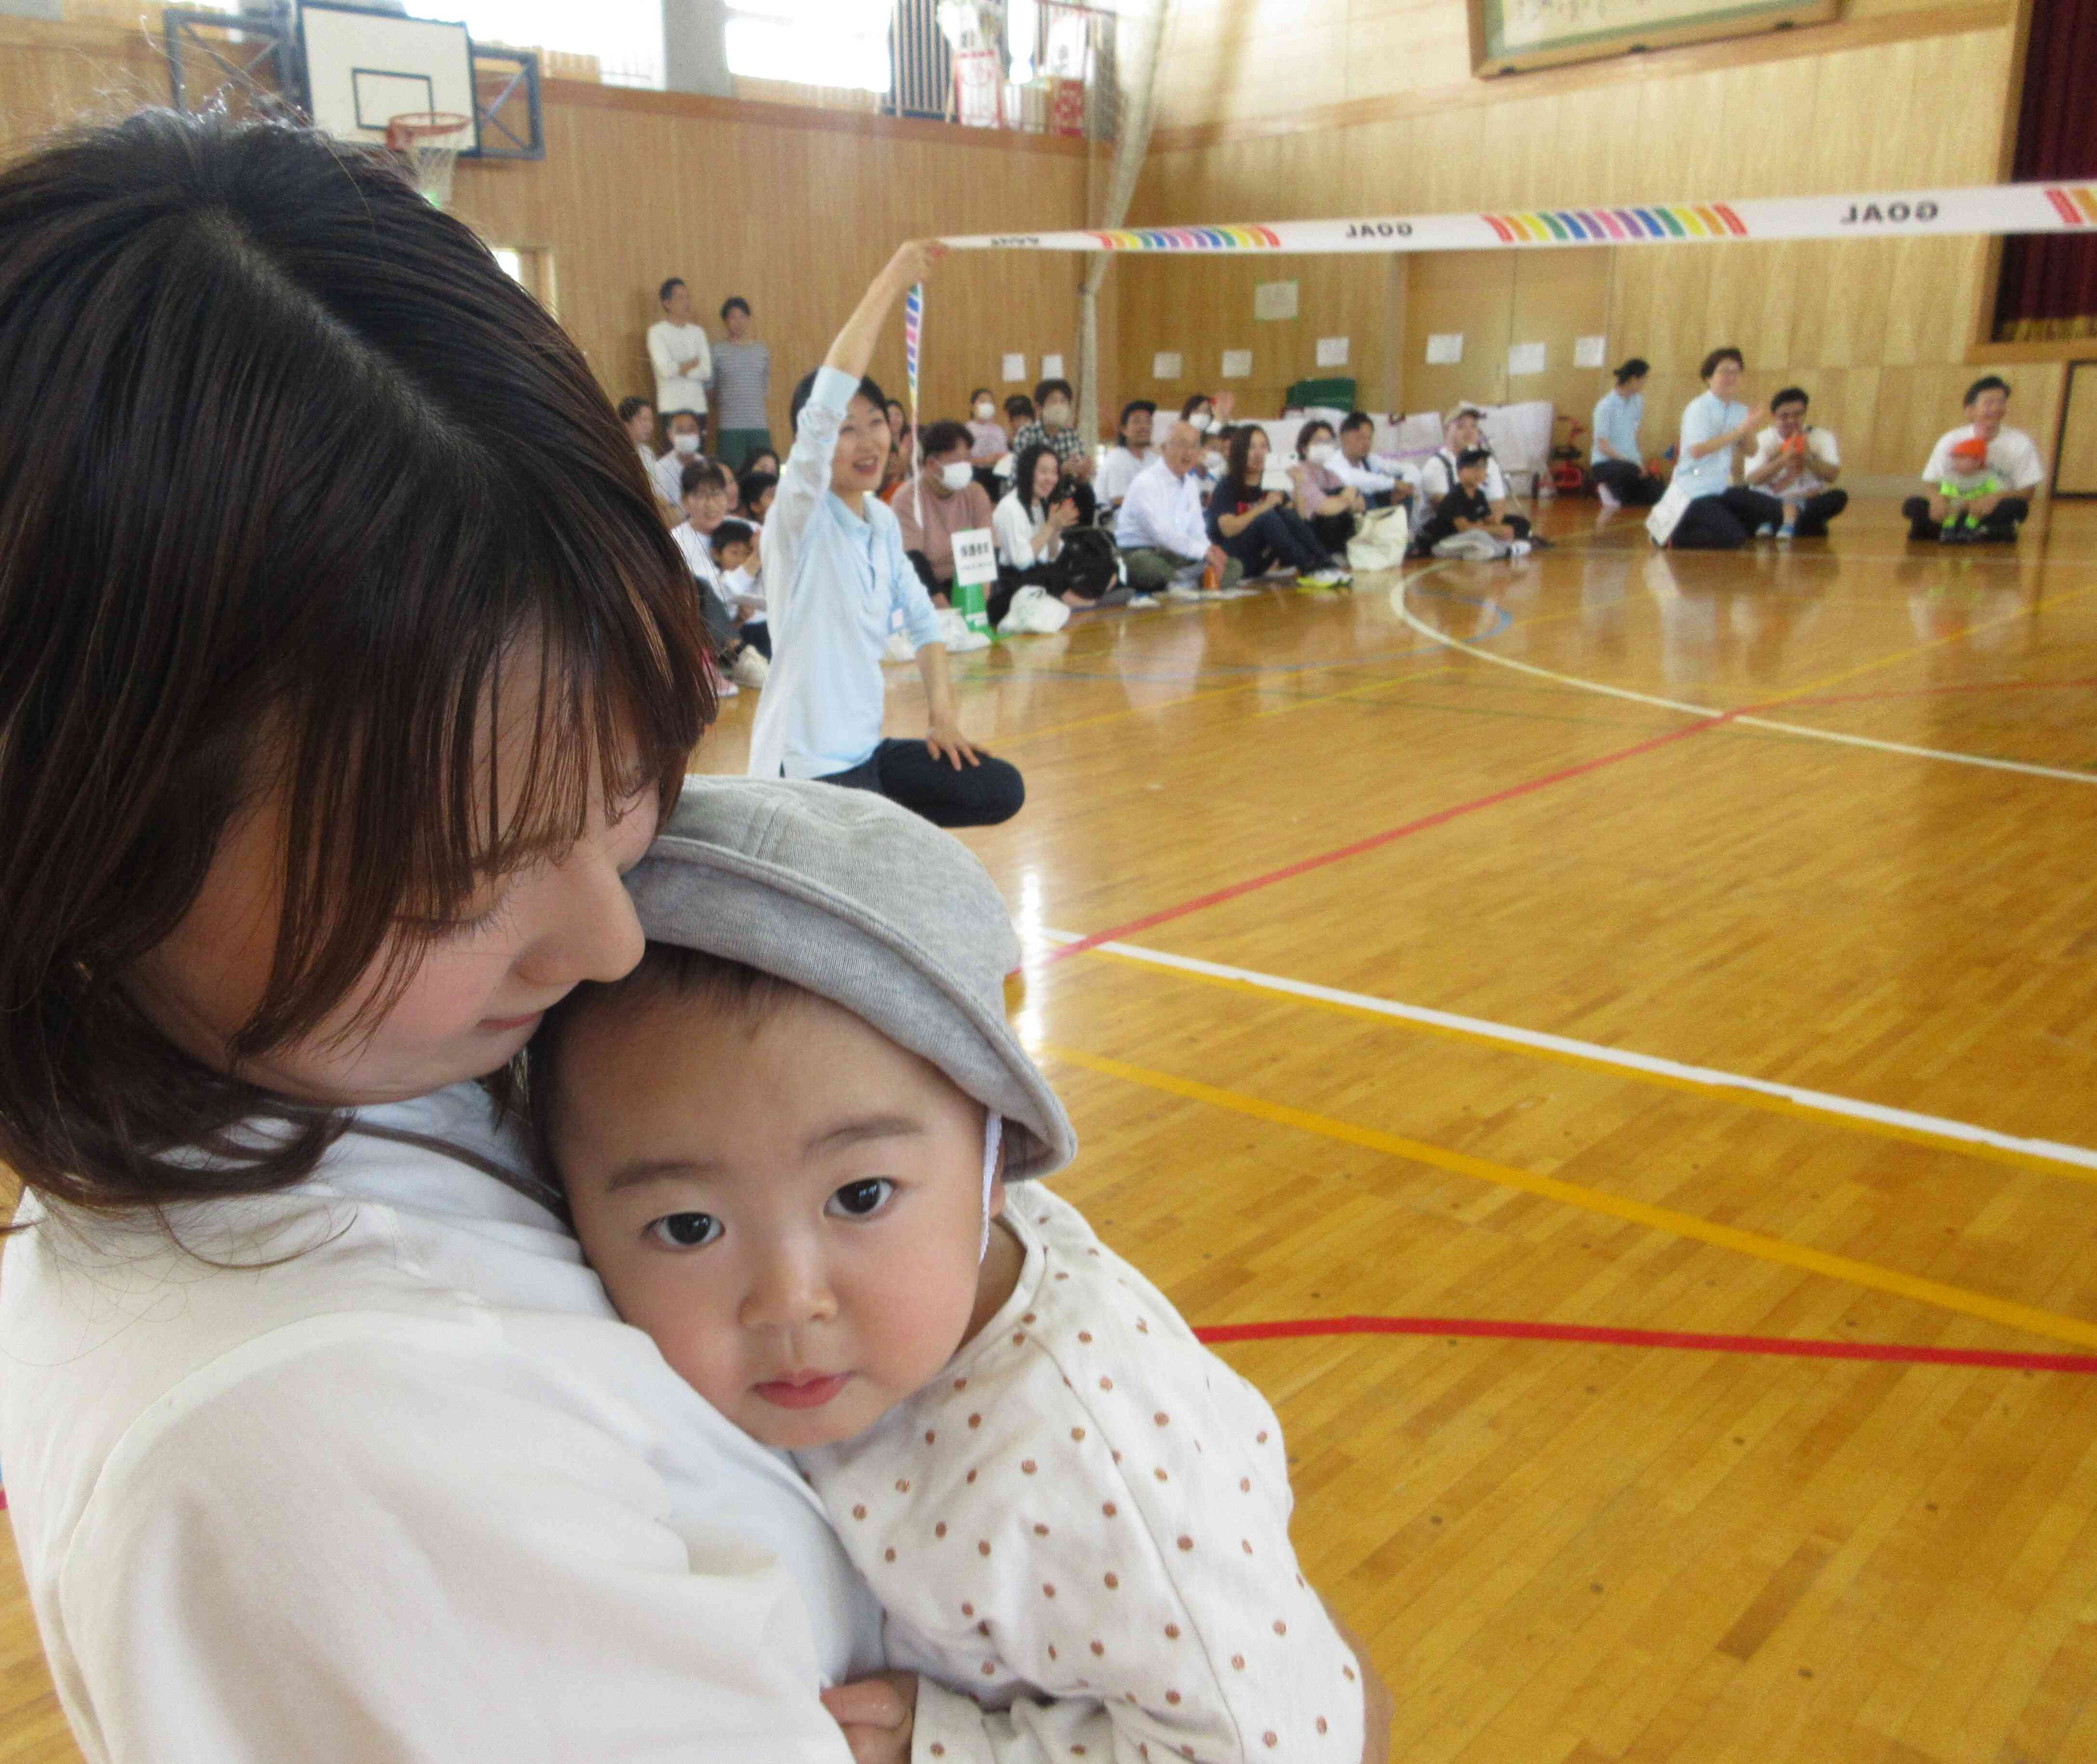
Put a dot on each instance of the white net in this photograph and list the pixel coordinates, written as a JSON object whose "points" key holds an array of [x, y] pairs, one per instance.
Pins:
{"points": [[430, 142]]}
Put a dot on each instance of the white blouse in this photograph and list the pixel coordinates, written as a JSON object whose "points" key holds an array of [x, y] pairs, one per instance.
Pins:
{"points": [[1015, 529], [400, 1487]]}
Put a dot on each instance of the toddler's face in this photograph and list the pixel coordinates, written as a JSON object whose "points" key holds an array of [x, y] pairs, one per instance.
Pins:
{"points": [[732, 557], [788, 1202]]}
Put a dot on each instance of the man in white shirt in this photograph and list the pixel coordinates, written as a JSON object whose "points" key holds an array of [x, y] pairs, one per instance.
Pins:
{"points": [[1798, 464], [1163, 538], [1460, 433], [1383, 479], [2012, 460], [678, 350], [1132, 452]]}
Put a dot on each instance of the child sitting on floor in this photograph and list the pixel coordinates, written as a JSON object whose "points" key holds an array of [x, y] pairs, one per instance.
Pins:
{"points": [[786, 1139], [736, 556], [1971, 478], [1462, 525]]}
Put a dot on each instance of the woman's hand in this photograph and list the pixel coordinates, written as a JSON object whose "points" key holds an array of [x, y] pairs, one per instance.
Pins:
{"points": [[1222, 405], [878, 1713], [948, 743], [1065, 513], [913, 261], [1274, 499]]}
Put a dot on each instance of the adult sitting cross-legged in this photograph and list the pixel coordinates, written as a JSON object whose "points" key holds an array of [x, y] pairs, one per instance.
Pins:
{"points": [[1332, 506], [1987, 499], [1258, 526], [1798, 464], [940, 499], [1164, 541], [1383, 479]]}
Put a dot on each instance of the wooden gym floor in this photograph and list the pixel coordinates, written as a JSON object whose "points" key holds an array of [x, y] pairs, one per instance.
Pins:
{"points": [[1582, 956]]}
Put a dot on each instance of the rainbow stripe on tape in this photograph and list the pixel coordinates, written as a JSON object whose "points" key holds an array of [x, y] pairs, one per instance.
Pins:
{"points": [[1983, 210]]}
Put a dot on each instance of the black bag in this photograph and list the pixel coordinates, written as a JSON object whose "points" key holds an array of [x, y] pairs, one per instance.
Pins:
{"points": [[1091, 561]]}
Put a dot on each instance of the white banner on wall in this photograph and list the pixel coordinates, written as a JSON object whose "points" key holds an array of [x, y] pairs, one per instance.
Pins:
{"points": [[1991, 208]]}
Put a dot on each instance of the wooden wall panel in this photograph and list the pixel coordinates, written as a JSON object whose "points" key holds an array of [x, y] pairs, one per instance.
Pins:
{"points": [[794, 211], [1825, 314]]}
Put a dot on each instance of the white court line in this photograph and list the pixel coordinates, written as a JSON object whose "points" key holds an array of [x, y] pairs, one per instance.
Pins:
{"points": [[1956, 1133], [1399, 606]]}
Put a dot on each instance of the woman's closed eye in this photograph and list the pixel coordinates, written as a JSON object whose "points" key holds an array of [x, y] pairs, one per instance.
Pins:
{"points": [[684, 1230], [861, 1200]]}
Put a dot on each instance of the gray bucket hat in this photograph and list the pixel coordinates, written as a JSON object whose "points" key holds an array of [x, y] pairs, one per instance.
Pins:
{"points": [[862, 903]]}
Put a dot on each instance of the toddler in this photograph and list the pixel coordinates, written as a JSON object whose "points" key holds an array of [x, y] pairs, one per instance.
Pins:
{"points": [[735, 553], [798, 1143], [1971, 478]]}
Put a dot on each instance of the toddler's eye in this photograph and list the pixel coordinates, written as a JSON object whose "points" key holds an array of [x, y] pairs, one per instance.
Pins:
{"points": [[862, 1200], [685, 1231]]}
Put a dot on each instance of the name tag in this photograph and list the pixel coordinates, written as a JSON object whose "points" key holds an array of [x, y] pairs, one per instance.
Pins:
{"points": [[975, 558]]}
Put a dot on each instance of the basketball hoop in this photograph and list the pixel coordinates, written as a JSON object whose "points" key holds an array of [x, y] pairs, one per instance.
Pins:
{"points": [[430, 140]]}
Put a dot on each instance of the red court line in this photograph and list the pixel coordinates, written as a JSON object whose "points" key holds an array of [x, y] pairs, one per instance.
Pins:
{"points": [[1493, 1329], [1303, 866]]}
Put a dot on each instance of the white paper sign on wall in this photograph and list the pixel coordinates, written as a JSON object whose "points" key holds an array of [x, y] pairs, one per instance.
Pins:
{"points": [[1331, 352], [1015, 369], [1274, 299], [975, 556], [1445, 348], [1052, 367], [1166, 365], [1590, 352], [1238, 364], [1527, 357]]}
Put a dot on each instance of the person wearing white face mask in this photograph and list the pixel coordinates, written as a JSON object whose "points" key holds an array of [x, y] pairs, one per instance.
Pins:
{"points": [[943, 499], [684, 430], [988, 438], [1331, 507], [1054, 429]]}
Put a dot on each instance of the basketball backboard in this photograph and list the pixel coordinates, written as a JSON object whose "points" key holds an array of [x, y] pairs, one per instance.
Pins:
{"points": [[365, 67]]}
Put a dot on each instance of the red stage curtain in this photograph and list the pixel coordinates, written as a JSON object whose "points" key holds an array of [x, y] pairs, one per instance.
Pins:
{"points": [[2054, 276]]}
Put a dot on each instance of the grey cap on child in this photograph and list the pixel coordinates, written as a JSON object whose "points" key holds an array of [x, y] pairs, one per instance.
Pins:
{"points": [[863, 904]]}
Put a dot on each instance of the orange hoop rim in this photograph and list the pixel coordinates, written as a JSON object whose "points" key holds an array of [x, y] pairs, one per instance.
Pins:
{"points": [[412, 127]]}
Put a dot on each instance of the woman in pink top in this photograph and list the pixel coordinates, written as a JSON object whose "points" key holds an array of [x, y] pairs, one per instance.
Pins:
{"points": [[1330, 506]]}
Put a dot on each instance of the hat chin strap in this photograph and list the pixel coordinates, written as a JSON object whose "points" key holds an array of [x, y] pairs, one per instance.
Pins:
{"points": [[993, 1142]]}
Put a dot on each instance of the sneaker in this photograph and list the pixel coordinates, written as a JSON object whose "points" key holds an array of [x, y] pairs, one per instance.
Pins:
{"points": [[1767, 530], [1142, 602], [750, 669], [1606, 496], [1319, 580], [1518, 548], [1786, 532], [725, 688]]}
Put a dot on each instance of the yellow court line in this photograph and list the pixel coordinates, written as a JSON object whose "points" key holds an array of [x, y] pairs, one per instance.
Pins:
{"points": [[1746, 1099], [2004, 1312]]}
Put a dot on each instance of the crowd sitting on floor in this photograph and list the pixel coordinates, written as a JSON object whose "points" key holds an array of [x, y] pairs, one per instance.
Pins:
{"points": [[1183, 507]]}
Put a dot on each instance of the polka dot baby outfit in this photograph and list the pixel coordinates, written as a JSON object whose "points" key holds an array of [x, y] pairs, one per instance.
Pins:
{"points": [[1083, 1522]]}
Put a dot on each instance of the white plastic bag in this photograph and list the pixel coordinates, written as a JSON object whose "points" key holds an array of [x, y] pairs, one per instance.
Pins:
{"points": [[1034, 612], [1381, 541]]}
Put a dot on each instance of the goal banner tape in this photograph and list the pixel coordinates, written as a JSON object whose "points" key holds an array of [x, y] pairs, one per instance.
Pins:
{"points": [[1992, 208]]}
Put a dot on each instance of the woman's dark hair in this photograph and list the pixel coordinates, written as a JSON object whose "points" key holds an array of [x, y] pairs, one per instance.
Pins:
{"points": [[763, 452], [1309, 433], [1727, 353], [299, 489], [1237, 461], [1636, 368], [1023, 477], [981, 391], [1193, 402], [702, 475], [943, 438], [869, 389], [752, 485]]}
